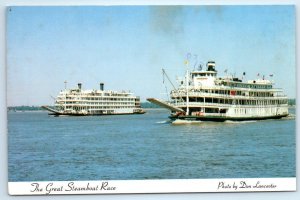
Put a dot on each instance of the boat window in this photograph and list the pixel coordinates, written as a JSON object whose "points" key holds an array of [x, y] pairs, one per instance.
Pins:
{"points": [[208, 100], [200, 99], [212, 110]]}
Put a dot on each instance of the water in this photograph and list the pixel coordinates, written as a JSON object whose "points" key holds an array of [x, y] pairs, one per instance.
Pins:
{"points": [[138, 147]]}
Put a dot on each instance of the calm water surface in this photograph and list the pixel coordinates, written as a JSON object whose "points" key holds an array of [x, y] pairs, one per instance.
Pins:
{"points": [[46, 148]]}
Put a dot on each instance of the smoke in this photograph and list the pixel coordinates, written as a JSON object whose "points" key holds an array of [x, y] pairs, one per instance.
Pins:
{"points": [[167, 20], [173, 26], [168, 24]]}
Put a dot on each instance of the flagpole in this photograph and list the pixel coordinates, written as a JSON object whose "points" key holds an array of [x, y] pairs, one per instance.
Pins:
{"points": [[187, 84]]}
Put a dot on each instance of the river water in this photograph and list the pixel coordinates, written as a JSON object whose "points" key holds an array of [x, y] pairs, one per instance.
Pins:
{"points": [[138, 147]]}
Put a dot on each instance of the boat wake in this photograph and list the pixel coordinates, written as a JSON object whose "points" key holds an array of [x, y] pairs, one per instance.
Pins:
{"points": [[163, 122], [239, 122], [290, 117], [181, 121]]}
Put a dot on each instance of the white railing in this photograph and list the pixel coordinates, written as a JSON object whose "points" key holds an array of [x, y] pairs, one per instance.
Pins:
{"points": [[203, 94], [202, 104]]}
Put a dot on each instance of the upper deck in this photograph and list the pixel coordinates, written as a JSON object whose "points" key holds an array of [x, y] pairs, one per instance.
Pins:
{"points": [[207, 83], [209, 78], [79, 92]]}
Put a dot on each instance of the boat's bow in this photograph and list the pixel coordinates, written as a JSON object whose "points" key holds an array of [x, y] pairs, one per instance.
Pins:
{"points": [[165, 105], [53, 111]]}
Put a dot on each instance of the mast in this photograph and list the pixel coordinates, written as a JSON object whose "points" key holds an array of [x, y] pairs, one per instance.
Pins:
{"points": [[164, 73], [65, 85], [187, 85], [187, 92], [65, 95]]}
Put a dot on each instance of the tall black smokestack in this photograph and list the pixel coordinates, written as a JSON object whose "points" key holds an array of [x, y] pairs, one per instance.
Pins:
{"points": [[101, 86], [79, 86]]}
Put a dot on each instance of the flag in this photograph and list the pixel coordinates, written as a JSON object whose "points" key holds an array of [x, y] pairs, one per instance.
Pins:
{"points": [[200, 67], [271, 75], [257, 74]]}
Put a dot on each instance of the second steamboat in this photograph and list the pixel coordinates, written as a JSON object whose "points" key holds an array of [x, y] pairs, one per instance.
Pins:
{"points": [[204, 96], [79, 102]]}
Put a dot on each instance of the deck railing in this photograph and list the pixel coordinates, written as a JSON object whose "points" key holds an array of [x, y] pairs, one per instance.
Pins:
{"points": [[205, 104], [204, 94]]}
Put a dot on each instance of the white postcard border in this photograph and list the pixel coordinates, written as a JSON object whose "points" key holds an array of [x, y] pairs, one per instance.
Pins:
{"points": [[152, 186], [23, 188]]}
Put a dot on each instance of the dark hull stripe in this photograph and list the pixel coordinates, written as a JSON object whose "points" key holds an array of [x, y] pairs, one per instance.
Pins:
{"points": [[61, 114], [222, 119]]}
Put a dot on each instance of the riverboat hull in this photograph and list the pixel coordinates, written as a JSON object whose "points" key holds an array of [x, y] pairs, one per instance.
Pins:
{"points": [[57, 113], [77, 114], [225, 118]]}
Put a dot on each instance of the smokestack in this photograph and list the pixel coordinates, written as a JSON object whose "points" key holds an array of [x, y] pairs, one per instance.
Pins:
{"points": [[79, 86], [101, 86]]}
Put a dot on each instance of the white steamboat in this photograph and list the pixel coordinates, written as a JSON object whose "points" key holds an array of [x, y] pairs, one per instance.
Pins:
{"points": [[206, 97], [79, 102]]}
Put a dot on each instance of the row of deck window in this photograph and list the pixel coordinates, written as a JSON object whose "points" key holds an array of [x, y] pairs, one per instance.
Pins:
{"points": [[98, 99], [236, 111], [78, 93], [235, 101], [244, 85], [99, 103], [229, 92], [96, 107]]}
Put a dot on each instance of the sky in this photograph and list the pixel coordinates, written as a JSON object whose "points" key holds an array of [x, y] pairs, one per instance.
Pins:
{"points": [[126, 47]]}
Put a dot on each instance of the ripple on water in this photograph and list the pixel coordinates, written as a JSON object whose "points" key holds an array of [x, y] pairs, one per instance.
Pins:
{"points": [[146, 147]]}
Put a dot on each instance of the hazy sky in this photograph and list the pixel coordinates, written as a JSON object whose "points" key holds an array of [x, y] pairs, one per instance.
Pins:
{"points": [[127, 46]]}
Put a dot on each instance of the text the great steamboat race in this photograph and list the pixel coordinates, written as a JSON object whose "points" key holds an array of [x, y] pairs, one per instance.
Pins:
{"points": [[204, 96]]}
